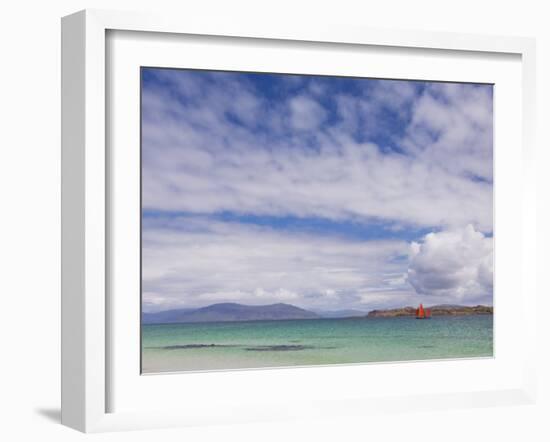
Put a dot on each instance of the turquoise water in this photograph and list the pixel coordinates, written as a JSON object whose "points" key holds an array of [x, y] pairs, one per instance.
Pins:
{"points": [[232, 345]]}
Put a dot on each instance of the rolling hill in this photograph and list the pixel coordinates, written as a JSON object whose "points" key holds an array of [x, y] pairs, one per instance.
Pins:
{"points": [[229, 312]]}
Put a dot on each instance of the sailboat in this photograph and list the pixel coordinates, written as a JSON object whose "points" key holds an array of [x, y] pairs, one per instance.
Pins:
{"points": [[423, 313]]}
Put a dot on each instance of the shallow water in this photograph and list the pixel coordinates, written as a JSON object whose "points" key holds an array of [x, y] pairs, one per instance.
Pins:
{"points": [[232, 345]]}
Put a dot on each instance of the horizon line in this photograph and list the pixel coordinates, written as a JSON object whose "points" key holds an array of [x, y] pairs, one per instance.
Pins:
{"points": [[314, 309]]}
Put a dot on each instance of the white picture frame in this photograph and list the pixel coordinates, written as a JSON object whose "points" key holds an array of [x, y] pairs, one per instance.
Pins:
{"points": [[86, 203]]}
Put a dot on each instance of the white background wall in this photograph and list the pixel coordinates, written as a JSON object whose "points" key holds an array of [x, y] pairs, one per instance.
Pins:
{"points": [[30, 220]]}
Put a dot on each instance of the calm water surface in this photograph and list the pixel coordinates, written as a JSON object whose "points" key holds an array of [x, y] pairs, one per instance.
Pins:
{"points": [[231, 345]]}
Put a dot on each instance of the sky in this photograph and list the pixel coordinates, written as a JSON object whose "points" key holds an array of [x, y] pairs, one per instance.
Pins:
{"points": [[323, 192]]}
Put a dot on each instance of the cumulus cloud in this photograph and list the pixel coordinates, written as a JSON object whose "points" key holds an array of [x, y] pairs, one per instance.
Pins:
{"points": [[453, 266]]}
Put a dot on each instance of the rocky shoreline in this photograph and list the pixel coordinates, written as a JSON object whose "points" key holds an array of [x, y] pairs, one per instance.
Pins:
{"points": [[436, 310]]}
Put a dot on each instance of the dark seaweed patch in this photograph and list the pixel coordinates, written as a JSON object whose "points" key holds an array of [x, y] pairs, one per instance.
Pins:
{"points": [[194, 346], [280, 348], [286, 348]]}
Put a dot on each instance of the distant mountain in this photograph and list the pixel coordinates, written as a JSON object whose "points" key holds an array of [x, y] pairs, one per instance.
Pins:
{"points": [[165, 316], [349, 313], [230, 312], [436, 310]]}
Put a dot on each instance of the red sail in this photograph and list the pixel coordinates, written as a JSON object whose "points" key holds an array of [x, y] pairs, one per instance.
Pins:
{"points": [[421, 311]]}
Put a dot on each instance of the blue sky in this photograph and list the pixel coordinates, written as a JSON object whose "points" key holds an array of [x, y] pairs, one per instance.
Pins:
{"points": [[324, 192]]}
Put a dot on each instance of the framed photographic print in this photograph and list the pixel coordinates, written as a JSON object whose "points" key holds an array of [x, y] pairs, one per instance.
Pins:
{"points": [[296, 219], [261, 216]]}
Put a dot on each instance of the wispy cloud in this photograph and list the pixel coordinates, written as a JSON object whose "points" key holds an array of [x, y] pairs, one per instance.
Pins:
{"points": [[192, 261]]}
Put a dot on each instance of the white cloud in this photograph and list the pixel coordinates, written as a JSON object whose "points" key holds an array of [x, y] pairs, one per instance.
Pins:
{"points": [[198, 160], [453, 266], [194, 261], [203, 262], [212, 144], [377, 299], [306, 113], [452, 128]]}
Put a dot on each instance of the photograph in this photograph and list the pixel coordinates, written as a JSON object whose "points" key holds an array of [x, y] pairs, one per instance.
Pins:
{"points": [[293, 220]]}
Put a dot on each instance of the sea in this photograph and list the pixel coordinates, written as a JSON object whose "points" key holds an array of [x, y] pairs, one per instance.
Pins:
{"points": [[307, 342]]}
